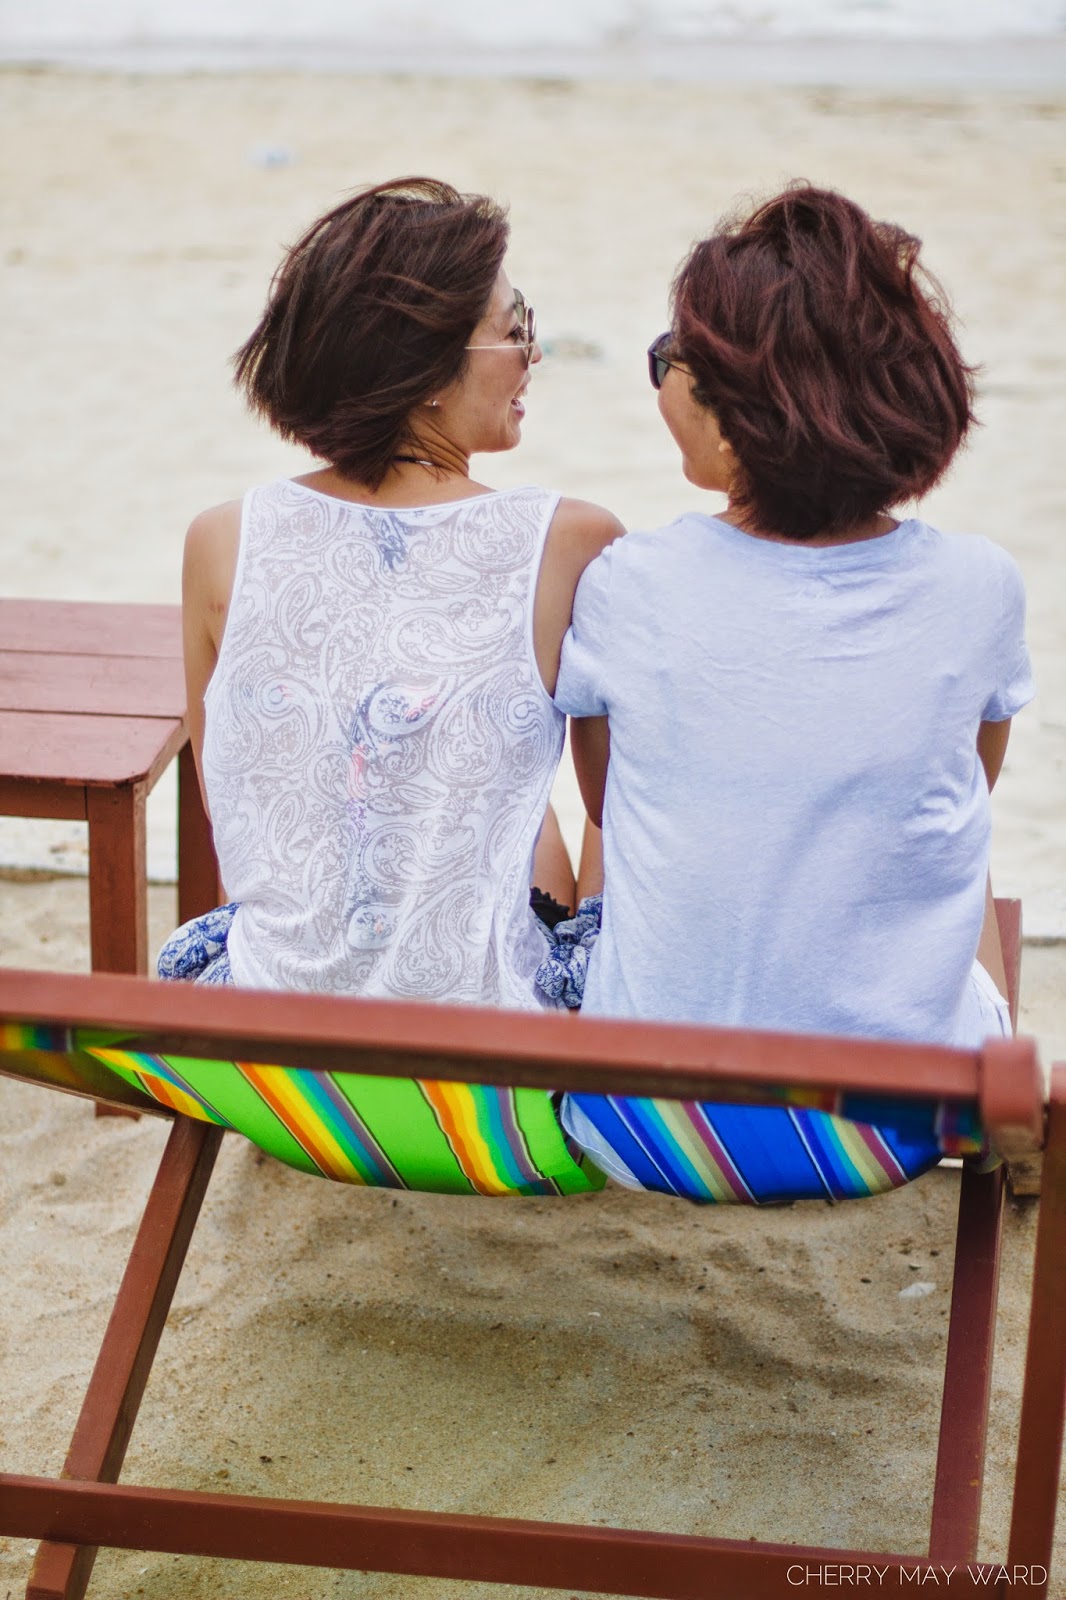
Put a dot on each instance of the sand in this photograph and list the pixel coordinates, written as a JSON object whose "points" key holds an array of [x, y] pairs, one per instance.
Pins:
{"points": [[143, 219], [616, 1358], [620, 1358]]}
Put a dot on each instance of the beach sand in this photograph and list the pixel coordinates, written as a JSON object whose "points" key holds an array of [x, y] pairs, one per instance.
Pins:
{"points": [[144, 216], [616, 1358]]}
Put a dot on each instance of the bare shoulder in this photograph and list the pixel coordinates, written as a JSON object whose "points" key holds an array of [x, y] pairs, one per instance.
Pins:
{"points": [[592, 524], [578, 532], [211, 546], [584, 529], [215, 527]]}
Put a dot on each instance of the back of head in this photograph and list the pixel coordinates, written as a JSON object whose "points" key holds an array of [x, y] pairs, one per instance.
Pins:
{"points": [[828, 359], [369, 314]]}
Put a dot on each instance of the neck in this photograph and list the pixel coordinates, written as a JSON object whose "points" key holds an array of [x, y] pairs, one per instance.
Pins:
{"points": [[430, 444], [872, 529]]}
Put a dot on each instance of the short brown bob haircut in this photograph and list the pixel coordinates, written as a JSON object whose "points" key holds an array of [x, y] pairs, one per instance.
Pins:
{"points": [[828, 359], [369, 315]]}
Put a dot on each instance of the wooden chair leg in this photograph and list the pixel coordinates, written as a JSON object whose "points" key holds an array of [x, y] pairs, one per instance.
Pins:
{"points": [[198, 887], [1023, 1172], [972, 1328], [102, 1433], [968, 1369], [1044, 1395]]}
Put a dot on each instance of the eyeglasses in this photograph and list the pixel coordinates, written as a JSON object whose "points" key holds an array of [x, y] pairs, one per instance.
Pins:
{"points": [[527, 327], [658, 363]]}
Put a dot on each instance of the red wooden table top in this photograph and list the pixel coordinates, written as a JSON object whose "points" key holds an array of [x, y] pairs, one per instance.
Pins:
{"points": [[90, 693], [90, 627]]}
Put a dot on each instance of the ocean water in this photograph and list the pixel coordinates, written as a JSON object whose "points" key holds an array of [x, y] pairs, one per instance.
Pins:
{"points": [[489, 26]]}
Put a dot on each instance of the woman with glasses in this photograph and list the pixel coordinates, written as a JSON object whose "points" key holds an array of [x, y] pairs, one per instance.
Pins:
{"points": [[372, 646], [794, 709]]}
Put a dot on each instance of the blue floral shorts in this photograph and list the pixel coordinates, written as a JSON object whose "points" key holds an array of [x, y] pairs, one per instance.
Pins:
{"points": [[197, 952], [561, 975]]}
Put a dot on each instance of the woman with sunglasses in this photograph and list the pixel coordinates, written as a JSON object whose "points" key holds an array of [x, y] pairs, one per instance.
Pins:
{"points": [[795, 709], [372, 646]]}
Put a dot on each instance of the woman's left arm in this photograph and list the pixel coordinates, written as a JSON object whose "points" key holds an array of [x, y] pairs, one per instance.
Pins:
{"points": [[211, 546]]}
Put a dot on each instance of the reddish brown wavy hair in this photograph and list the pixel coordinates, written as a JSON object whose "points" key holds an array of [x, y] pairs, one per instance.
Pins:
{"points": [[369, 315], [827, 355]]}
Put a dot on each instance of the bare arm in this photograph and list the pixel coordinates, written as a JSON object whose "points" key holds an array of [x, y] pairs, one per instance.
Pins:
{"points": [[206, 585], [590, 746], [992, 747], [578, 533]]}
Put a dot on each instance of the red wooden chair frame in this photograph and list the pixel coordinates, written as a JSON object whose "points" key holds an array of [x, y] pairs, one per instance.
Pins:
{"points": [[86, 1507]]}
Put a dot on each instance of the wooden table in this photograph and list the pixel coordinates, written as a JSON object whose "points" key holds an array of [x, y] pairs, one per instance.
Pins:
{"points": [[92, 712]]}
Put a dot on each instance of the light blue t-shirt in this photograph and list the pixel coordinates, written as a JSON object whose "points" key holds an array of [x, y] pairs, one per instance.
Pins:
{"points": [[796, 825]]}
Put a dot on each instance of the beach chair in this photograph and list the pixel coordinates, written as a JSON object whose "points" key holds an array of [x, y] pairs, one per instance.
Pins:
{"points": [[48, 1025]]}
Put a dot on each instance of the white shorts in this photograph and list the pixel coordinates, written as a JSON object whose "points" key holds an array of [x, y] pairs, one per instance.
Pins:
{"points": [[984, 1014]]}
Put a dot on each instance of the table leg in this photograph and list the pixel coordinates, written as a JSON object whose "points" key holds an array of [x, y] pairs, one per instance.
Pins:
{"points": [[198, 887], [118, 879], [118, 887]]}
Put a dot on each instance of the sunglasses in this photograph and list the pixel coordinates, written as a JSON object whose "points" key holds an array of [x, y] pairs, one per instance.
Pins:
{"points": [[527, 327], [659, 364]]}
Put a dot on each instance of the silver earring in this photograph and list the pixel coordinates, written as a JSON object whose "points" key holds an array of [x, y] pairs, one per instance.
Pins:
{"points": [[432, 402]]}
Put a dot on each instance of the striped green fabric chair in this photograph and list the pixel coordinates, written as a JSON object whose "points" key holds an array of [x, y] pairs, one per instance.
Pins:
{"points": [[392, 1133], [468, 1138], [468, 1097]]}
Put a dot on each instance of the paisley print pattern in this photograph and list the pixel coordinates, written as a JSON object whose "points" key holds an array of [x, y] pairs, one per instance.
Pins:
{"points": [[380, 749], [561, 975], [196, 952]]}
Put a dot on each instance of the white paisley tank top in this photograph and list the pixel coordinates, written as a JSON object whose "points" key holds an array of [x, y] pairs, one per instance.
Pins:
{"points": [[379, 746]]}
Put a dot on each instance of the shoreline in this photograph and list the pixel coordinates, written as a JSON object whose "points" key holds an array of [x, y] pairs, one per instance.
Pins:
{"points": [[1012, 63]]}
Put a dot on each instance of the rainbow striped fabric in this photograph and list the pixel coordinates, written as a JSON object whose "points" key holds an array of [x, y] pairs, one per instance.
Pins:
{"points": [[393, 1133], [735, 1154], [19, 1038], [459, 1138], [399, 1133]]}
